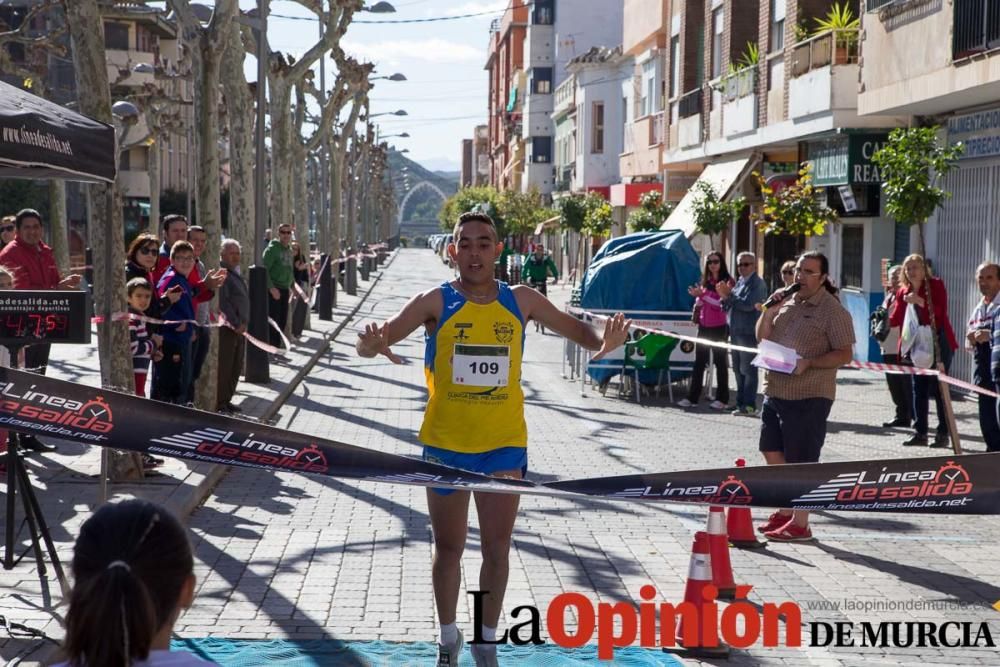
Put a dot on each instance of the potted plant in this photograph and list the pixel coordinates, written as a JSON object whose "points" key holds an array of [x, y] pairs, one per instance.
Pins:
{"points": [[843, 26]]}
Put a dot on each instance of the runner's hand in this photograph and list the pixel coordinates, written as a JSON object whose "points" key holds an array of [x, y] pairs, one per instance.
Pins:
{"points": [[374, 341], [615, 335]]}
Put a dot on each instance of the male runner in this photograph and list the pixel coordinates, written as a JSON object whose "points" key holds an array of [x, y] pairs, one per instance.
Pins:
{"points": [[475, 411]]}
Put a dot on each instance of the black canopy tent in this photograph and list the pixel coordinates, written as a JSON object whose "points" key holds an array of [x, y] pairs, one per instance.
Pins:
{"points": [[40, 139]]}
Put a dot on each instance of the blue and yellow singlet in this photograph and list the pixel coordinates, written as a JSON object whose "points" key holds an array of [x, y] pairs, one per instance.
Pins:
{"points": [[473, 367]]}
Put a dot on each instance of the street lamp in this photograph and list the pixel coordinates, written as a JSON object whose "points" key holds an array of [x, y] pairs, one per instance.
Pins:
{"points": [[392, 77], [402, 135], [397, 112], [380, 8]]}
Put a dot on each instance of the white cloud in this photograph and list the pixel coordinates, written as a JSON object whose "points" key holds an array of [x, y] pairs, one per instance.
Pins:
{"points": [[400, 52]]}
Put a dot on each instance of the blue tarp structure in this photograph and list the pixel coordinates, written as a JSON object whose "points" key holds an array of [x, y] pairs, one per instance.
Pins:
{"points": [[645, 271]]}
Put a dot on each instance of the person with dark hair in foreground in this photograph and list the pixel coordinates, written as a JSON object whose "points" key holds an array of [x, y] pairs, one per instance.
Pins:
{"points": [[133, 573]]}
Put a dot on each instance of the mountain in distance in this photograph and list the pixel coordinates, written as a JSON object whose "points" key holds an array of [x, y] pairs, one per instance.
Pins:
{"points": [[450, 175], [442, 164]]}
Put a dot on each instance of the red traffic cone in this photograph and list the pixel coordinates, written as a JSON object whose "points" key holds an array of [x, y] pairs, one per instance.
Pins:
{"points": [[739, 525], [718, 546], [699, 593]]}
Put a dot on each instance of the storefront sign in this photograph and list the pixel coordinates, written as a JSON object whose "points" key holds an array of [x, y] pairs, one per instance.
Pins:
{"points": [[846, 160], [979, 132]]}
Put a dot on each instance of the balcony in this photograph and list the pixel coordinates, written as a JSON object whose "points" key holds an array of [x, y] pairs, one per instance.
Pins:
{"points": [[739, 102], [834, 47], [689, 132], [120, 62], [824, 74], [976, 27], [565, 96], [656, 129]]}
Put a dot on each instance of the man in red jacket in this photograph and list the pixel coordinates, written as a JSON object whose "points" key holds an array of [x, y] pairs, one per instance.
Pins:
{"points": [[33, 266]]}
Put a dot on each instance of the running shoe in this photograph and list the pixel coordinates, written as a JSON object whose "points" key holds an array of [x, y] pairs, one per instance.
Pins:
{"points": [[448, 655], [684, 403], [790, 532], [774, 522], [484, 656], [717, 405]]}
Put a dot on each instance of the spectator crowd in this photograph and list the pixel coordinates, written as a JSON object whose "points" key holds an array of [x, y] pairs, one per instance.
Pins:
{"points": [[170, 286]]}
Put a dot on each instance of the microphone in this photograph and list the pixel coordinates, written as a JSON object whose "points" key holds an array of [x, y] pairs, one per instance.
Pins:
{"points": [[785, 293]]}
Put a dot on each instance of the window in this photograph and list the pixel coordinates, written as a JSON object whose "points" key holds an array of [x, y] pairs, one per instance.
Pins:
{"points": [[776, 41], [541, 149], [675, 66], [648, 102], [116, 36], [852, 258], [718, 25], [544, 12], [541, 80], [597, 128]]}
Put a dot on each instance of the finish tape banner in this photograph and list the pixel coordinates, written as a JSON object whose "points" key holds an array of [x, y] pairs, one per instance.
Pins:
{"points": [[44, 406]]}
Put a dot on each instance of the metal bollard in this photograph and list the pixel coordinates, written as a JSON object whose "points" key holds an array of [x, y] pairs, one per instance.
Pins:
{"points": [[257, 366], [363, 268], [351, 277], [325, 285]]}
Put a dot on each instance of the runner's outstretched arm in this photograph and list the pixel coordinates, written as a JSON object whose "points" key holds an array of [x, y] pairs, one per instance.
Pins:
{"points": [[537, 307], [422, 309]]}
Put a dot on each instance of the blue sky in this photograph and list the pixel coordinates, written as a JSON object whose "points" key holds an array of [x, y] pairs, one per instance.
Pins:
{"points": [[445, 93]]}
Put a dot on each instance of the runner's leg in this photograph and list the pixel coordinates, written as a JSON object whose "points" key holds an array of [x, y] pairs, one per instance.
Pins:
{"points": [[450, 523], [497, 512]]}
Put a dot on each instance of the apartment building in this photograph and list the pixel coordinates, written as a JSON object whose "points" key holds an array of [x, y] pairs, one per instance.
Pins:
{"points": [[939, 62], [588, 122], [644, 31], [505, 64], [761, 86], [137, 41]]}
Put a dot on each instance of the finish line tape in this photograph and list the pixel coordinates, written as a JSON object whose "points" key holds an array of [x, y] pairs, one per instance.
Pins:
{"points": [[39, 405], [862, 365]]}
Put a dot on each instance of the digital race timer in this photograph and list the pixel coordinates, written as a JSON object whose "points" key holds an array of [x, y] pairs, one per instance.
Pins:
{"points": [[44, 316]]}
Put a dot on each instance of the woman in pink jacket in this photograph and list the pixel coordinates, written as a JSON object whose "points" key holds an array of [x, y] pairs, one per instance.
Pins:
{"points": [[711, 320]]}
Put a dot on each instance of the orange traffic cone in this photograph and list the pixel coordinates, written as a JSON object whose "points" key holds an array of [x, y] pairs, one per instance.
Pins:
{"points": [[739, 525], [699, 592], [718, 546]]}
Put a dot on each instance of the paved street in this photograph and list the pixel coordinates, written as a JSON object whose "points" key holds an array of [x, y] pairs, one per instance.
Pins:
{"points": [[290, 556]]}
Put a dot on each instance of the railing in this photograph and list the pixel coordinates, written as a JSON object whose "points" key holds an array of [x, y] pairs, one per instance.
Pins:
{"points": [[834, 47], [976, 27], [565, 92], [875, 5], [739, 84], [656, 129], [690, 104]]}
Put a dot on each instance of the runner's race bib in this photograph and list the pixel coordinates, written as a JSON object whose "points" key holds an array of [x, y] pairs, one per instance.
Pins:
{"points": [[481, 365]]}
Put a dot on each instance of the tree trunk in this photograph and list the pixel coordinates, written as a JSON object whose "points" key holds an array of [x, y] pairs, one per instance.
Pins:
{"points": [[106, 227], [336, 198], [240, 114], [281, 147], [153, 169], [59, 233]]}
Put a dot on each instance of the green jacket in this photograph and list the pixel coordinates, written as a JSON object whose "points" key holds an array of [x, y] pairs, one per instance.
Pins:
{"points": [[278, 262], [538, 271]]}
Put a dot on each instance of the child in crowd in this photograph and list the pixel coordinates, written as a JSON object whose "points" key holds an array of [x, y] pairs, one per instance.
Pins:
{"points": [[173, 371], [144, 346], [133, 573]]}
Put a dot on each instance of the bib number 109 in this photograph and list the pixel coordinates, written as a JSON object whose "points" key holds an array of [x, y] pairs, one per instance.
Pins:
{"points": [[481, 365]]}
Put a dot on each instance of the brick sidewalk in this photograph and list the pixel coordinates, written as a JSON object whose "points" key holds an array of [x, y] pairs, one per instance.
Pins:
{"points": [[296, 557], [66, 486]]}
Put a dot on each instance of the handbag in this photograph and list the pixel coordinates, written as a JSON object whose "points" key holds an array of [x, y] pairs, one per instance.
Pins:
{"points": [[879, 324], [917, 340]]}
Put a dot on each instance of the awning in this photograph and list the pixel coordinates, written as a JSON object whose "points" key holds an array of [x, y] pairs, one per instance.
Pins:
{"points": [[40, 139], [551, 223], [725, 177]]}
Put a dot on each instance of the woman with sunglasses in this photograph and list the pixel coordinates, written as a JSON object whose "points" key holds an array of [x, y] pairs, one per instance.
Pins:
{"points": [[788, 272], [7, 229], [711, 319]]}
